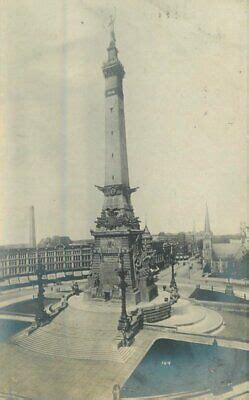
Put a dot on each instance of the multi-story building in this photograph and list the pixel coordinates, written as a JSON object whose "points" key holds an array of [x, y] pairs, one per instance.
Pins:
{"points": [[177, 239], [56, 254], [223, 254], [158, 259]]}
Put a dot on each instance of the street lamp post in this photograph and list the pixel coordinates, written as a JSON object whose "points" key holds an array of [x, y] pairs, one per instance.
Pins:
{"points": [[123, 323], [229, 286], [172, 260], [41, 314], [173, 286]]}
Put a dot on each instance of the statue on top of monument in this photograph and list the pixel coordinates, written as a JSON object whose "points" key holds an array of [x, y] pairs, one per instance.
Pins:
{"points": [[111, 26]]}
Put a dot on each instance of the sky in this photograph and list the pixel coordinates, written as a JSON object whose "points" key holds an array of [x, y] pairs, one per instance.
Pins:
{"points": [[185, 109]]}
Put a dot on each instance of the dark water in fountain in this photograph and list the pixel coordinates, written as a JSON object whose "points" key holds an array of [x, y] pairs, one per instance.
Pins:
{"points": [[10, 327], [174, 366]]}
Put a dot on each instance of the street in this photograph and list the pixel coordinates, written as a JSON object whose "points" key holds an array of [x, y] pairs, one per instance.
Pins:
{"points": [[189, 274]]}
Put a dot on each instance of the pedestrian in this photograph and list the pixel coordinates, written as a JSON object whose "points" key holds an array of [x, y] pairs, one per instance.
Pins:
{"points": [[116, 392]]}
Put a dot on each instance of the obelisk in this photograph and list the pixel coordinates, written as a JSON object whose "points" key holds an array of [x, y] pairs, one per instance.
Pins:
{"points": [[117, 228], [32, 236]]}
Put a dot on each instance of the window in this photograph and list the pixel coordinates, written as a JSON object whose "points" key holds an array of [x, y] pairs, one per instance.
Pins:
{"points": [[112, 133], [111, 109], [113, 177], [112, 155]]}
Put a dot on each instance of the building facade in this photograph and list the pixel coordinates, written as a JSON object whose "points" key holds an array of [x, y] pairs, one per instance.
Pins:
{"points": [[222, 255], [226, 257], [55, 254], [179, 240], [157, 261], [22, 260]]}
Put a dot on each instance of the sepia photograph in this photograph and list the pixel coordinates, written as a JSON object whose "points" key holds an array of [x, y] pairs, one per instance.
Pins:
{"points": [[124, 206]]}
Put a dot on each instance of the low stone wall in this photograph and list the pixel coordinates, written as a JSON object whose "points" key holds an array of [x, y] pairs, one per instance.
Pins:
{"points": [[157, 313], [221, 306], [217, 296], [52, 311]]}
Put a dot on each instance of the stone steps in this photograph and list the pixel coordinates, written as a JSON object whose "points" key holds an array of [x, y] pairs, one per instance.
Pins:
{"points": [[120, 356], [84, 330], [95, 347], [68, 345], [210, 324], [77, 333]]}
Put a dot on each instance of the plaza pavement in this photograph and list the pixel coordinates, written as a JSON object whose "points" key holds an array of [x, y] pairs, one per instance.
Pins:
{"points": [[37, 376], [41, 377]]}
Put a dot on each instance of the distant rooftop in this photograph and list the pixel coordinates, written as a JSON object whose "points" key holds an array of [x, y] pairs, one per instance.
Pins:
{"points": [[50, 242], [14, 246], [64, 241]]}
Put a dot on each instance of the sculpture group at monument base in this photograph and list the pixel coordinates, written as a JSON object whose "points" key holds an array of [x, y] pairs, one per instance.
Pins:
{"points": [[104, 280]]}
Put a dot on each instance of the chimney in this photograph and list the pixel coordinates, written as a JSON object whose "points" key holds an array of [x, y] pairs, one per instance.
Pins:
{"points": [[32, 239]]}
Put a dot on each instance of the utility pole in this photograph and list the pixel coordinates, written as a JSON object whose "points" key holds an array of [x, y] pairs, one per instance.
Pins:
{"points": [[173, 286]]}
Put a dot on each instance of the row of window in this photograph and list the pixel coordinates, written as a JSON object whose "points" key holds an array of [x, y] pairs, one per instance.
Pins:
{"points": [[58, 260], [50, 267], [42, 258], [44, 254]]}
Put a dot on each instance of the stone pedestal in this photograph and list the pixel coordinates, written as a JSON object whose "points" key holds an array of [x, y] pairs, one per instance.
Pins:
{"points": [[147, 288], [133, 296], [104, 281]]}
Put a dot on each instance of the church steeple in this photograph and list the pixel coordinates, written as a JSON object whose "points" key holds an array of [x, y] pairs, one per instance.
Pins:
{"points": [[207, 223]]}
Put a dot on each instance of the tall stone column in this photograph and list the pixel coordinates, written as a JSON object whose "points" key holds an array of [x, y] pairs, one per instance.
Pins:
{"points": [[117, 227], [32, 235]]}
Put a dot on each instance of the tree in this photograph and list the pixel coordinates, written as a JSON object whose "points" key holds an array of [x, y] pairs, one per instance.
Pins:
{"points": [[244, 266], [207, 268]]}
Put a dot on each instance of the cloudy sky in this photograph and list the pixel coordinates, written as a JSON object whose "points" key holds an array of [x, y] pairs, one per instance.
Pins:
{"points": [[185, 106]]}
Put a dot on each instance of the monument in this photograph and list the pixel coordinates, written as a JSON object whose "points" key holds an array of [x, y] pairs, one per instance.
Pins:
{"points": [[117, 228], [32, 238]]}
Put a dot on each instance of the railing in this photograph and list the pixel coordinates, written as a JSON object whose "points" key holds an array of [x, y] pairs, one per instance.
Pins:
{"points": [[47, 272], [5, 312], [161, 328], [219, 306], [17, 285], [52, 313], [9, 396]]}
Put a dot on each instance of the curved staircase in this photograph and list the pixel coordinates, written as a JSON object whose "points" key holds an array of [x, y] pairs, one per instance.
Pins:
{"points": [[78, 334]]}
